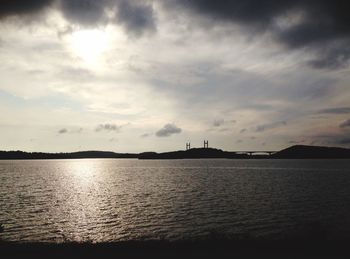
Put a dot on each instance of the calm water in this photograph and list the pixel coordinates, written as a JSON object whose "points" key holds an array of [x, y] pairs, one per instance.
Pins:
{"points": [[109, 200]]}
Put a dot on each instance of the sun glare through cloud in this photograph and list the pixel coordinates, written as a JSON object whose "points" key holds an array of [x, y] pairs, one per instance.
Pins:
{"points": [[89, 45]]}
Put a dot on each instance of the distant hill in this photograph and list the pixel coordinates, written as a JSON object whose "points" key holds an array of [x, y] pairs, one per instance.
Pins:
{"points": [[192, 154], [304, 152], [75, 155]]}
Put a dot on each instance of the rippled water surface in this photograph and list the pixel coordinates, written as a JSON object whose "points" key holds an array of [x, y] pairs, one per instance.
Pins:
{"points": [[109, 200]]}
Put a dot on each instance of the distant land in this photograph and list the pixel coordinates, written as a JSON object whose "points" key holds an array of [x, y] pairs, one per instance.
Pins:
{"points": [[293, 152], [73, 155], [304, 152]]}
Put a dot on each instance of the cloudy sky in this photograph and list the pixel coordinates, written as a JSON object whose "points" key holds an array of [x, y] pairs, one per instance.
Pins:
{"points": [[132, 76]]}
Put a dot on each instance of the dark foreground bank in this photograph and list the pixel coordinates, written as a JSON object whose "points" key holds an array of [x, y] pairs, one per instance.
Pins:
{"points": [[180, 249]]}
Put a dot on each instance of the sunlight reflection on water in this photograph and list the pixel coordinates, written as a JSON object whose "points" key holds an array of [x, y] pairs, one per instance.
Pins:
{"points": [[108, 200]]}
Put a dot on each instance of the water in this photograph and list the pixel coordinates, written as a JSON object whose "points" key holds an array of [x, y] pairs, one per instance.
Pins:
{"points": [[110, 200]]}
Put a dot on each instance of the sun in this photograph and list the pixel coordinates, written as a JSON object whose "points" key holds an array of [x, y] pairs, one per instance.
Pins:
{"points": [[89, 44]]}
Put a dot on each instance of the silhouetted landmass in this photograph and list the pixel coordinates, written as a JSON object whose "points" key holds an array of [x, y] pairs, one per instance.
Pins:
{"points": [[294, 152], [298, 151], [74, 155], [309, 152], [192, 153]]}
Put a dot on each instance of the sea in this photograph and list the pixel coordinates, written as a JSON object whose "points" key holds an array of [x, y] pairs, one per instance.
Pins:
{"points": [[109, 200]]}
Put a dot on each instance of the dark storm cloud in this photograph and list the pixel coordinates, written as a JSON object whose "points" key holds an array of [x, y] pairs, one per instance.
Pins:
{"points": [[337, 110], [168, 130], [84, 12], [263, 127], [20, 7], [322, 24], [345, 124], [254, 12], [322, 20], [135, 16]]}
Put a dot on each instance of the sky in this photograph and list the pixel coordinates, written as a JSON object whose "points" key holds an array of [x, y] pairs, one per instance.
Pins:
{"points": [[134, 76]]}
